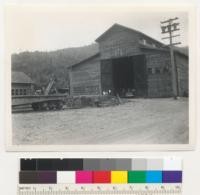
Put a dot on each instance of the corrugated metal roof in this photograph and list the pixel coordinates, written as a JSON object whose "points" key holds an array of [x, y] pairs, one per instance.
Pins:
{"points": [[21, 77]]}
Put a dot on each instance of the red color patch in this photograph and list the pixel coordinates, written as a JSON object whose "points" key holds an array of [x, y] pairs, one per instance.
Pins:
{"points": [[101, 177]]}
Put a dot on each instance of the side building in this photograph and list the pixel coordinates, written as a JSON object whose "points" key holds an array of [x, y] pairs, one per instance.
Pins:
{"points": [[22, 84], [129, 60]]}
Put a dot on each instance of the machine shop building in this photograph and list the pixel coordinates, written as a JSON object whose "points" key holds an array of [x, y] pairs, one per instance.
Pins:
{"points": [[129, 60], [22, 84]]}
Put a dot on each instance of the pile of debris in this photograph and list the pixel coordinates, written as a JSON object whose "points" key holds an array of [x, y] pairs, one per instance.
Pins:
{"points": [[109, 100], [91, 101]]}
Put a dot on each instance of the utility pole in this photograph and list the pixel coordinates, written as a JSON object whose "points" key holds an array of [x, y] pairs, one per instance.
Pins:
{"points": [[169, 27]]}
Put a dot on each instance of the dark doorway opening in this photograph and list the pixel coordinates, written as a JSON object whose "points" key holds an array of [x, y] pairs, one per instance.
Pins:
{"points": [[123, 76], [129, 76]]}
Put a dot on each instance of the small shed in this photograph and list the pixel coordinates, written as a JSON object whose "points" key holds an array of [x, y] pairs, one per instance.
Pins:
{"points": [[22, 84], [129, 61]]}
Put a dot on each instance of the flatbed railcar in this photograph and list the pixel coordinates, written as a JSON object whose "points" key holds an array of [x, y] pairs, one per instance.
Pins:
{"points": [[38, 102]]}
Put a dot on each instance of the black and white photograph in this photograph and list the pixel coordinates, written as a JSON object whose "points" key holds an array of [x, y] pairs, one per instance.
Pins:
{"points": [[95, 77]]}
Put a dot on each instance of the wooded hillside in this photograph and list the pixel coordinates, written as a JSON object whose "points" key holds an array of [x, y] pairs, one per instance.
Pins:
{"points": [[40, 66]]}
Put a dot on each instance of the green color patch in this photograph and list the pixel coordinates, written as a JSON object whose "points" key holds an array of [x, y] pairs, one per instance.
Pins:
{"points": [[136, 176]]}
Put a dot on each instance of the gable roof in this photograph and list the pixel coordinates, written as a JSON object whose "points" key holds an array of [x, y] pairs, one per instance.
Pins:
{"points": [[85, 60], [21, 77], [127, 29]]}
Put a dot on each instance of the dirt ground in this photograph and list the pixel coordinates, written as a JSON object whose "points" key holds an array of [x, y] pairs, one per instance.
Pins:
{"points": [[139, 121]]}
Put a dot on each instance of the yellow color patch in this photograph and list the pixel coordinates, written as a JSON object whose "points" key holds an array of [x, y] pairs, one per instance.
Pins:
{"points": [[119, 177]]}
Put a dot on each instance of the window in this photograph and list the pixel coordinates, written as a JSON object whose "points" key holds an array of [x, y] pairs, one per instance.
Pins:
{"points": [[144, 41], [153, 71], [16, 92], [165, 69], [157, 70], [21, 92], [150, 71], [167, 63], [24, 92], [13, 92]]}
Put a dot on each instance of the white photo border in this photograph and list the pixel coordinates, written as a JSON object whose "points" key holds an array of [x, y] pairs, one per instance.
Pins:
{"points": [[192, 14]]}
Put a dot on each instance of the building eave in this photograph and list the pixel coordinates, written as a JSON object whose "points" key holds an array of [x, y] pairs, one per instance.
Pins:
{"points": [[85, 60]]}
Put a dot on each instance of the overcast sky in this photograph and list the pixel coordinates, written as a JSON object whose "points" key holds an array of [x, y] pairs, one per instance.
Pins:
{"points": [[51, 28]]}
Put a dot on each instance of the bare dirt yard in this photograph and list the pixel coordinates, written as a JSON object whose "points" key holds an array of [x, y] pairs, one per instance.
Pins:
{"points": [[139, 121]]}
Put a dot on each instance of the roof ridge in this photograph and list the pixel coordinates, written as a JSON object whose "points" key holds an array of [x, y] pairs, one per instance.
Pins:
{"points": [[128, 28]]}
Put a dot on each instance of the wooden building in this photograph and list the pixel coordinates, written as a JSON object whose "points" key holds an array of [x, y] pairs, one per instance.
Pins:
{"points": [[22, 84], [129, 60]]}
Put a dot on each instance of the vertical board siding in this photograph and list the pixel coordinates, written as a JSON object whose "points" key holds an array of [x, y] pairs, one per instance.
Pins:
{"points": [[159, 84], [85, 78], [182, 74], [119, 44], [140, 74]]}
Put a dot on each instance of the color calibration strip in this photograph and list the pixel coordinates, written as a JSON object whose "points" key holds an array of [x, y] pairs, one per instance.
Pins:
{"points": [[103, 171]]}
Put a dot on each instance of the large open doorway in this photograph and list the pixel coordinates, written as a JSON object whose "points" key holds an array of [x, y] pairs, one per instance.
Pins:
{"points": [[129, 76], [123, 76], [126, 76]]}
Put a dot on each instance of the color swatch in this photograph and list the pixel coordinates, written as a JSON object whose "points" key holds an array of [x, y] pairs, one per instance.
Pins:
{"points": [[66, 177], [119, 177], [137, 177], [84, 177], [101, 176]]}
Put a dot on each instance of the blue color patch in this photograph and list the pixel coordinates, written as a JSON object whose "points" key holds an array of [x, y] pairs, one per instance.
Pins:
{"points": [[154, 177]]}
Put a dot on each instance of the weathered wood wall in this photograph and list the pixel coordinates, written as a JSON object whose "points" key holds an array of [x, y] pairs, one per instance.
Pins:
{"points": [[159, 74], [182, 74], [85, 78], [120, 43], [140, 74]]}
